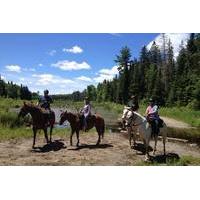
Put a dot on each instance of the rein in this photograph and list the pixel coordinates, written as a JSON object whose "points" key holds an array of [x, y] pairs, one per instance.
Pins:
{"points": [[138, 123]]}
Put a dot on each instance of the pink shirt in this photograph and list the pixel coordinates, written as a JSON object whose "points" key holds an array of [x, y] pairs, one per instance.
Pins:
{"points": [[152, 112]]}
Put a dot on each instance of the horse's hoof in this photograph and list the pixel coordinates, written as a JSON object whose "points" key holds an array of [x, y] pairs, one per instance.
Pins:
{"points": [[147, 159]]}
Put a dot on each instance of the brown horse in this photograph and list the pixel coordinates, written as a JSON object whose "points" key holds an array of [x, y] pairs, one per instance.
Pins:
{"points": [[76, 125], [39, 118]]}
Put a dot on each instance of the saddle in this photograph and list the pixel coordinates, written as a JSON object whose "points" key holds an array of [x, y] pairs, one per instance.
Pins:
{"points": [[160, 122], [89, 120]]}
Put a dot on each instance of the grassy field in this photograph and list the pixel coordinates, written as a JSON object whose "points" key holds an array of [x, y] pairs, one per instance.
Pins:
{"points": [[11, 127]]}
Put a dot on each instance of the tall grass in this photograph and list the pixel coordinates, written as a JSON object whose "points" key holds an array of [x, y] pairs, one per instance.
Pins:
{"points": [[184, 114]]}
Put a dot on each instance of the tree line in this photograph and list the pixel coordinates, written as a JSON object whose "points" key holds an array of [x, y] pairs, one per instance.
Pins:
{"points": [[12, 90], [155, 74]]}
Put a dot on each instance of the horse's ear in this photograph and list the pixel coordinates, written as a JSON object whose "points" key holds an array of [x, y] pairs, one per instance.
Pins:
{"points": [[24, 103]]}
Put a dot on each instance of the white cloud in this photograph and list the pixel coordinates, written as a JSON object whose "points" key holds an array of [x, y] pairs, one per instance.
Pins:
{"points": [[106, 74], [29, 69], [3, 78], [113, 71], [13, 68], [40, 64], [84, 78], [47, 79], [71, 65], [175, 38], [52, 52], [75, 49]]}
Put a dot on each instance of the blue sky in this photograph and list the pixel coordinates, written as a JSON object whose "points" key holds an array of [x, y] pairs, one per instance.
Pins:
{"points": [[64, 63]]}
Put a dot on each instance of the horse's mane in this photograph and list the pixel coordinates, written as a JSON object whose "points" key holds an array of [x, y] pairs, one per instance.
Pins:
{"points": [[138, 114], [36, 107]]}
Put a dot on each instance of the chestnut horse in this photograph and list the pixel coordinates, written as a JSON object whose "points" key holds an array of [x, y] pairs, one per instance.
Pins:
{"points": [[76, 125], [39, 119]]}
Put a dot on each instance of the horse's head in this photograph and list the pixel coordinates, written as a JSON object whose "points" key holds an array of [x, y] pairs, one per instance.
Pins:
{"points": [[63, 117], [126, 113], [24, 110]]}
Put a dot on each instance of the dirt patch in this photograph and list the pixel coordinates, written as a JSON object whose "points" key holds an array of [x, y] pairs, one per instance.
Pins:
{"points": [[175, 123], [114, 150]]}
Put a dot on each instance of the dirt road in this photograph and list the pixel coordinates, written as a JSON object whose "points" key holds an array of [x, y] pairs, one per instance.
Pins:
{"points": [[114, 150], [175, 123]]}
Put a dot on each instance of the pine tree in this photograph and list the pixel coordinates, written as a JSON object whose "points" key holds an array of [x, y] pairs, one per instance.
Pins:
{"points": [[123, 61]]}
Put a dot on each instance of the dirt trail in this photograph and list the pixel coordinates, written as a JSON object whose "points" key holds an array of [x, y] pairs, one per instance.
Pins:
{"points": [[114, 150], [170, 122]]}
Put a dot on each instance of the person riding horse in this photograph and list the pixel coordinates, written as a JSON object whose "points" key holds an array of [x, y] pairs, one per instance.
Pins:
{"points": [[133, 106], [86, 113], [153, 116], [45, 102], [133, 103]]}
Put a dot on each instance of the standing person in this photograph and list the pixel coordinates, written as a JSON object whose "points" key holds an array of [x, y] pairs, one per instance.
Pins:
{"points": [[153, 116], [86, 111]]}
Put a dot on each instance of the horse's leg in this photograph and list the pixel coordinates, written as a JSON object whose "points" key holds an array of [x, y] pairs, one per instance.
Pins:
{"points": [[99, 135], [129, 134], [156, 140], [134, 136], [77, 136], [46, 135], [164, 136], [147, 149], [34, 137], [72, 132], [51, 130]]}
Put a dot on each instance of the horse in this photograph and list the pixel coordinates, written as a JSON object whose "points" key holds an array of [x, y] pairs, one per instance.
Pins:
{"points": [[145, 132], [126, 122], [76, 125], [39, 119]]}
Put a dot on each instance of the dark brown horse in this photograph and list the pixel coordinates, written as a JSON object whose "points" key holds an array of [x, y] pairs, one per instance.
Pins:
{"points": [[39, 118], [76, 125]]}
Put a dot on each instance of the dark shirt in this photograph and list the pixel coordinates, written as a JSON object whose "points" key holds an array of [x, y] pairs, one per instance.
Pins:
{"points": [[133, 104], [45, 102]]}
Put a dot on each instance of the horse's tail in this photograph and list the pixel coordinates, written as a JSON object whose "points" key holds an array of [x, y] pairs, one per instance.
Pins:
{"points": [[103, 128]]}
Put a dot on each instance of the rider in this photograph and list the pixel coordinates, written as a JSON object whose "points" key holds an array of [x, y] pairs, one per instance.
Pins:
{"points": [[152, 115], [44, 102], [86, 111], [133, 103]]}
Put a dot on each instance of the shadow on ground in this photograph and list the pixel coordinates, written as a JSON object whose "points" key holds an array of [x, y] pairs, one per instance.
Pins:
{"points": [[53, 146], [168, 158], [92, 146], [140, 147]]}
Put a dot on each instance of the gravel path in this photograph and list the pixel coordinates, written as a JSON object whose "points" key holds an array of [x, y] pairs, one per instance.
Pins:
{"points": [[114, 150]]}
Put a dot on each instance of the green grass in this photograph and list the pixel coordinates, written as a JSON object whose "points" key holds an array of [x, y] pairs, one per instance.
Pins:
{"points": [[24, 132], [183, 161], [192, 135], [184, 114]]}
